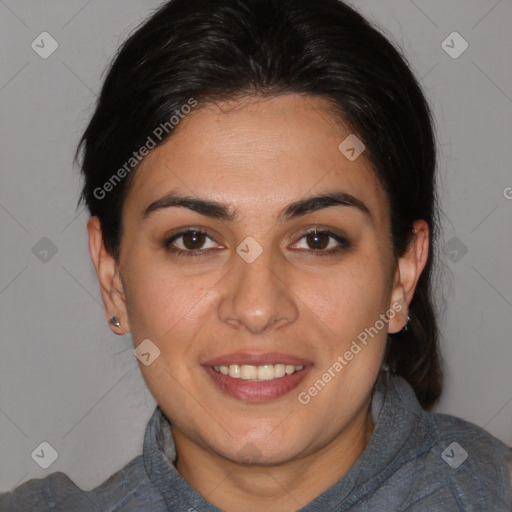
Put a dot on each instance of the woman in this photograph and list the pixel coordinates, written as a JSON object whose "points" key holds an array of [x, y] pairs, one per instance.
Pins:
{"points": [[261, 181]]}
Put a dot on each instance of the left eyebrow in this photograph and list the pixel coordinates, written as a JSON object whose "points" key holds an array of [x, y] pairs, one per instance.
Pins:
{"points": [[313, 204], [217, 210]]}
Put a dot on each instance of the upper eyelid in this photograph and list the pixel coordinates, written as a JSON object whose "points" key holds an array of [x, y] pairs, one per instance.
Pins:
{"points": [[190, 229], [172, 238]]}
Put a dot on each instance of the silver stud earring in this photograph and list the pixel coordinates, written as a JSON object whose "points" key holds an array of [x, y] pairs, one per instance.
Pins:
{"points": [[115, 321]]}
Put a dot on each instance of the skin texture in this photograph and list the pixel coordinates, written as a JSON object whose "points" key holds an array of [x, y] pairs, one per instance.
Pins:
{"points": [[257, 156]]}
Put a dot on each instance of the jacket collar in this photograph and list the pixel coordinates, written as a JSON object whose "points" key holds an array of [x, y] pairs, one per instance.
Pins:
{"points": [[402, 432]]}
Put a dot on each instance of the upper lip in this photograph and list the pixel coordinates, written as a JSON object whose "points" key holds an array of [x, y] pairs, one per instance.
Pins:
{"points": [[256, 359]]}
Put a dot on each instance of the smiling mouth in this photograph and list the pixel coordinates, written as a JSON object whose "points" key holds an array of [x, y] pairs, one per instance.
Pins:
{"points": [[256, 376], [265, 372]]}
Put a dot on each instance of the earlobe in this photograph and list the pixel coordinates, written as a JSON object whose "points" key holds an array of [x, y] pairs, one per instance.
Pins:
{"points": [[107, 271], [408, 270]]}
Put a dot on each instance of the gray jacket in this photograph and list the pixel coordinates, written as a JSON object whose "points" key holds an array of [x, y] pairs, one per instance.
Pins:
{"points": [[415, 461]]}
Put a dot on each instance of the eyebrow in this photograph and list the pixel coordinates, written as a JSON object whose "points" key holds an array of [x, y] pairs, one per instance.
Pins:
{"points": [[221, 211]]}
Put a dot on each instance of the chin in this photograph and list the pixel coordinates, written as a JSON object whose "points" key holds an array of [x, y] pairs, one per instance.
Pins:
{"points": [[262, 450], [261, 454]]}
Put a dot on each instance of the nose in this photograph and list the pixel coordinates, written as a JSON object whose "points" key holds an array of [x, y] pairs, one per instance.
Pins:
{"points": [[257, 296]]}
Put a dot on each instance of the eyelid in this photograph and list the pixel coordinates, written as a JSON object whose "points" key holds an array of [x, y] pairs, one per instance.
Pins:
{"points": [[168, 241], [342, 240]]}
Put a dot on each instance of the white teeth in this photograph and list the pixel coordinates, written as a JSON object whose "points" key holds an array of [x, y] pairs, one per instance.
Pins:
{"points": [[248, 372], [234, 371], [280, 370], [264, 372]]}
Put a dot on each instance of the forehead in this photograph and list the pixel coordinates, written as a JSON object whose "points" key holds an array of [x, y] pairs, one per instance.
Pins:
{"points": [[254, 153]]}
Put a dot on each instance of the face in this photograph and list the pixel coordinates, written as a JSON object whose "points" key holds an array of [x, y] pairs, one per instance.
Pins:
{"points": [[257, 258]]}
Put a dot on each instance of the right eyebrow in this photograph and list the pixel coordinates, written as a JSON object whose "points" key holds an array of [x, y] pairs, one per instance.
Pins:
{"points": [[206, 207]]}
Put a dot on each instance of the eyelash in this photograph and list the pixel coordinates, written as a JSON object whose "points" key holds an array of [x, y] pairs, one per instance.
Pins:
{"points": [[344, 244]]}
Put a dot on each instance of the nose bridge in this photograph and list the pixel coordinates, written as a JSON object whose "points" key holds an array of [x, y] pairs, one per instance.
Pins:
{"points": [[256, 295], [257, 278]]}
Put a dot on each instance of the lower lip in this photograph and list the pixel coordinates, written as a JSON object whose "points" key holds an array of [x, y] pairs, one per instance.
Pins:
{"points": [[257, 391]]}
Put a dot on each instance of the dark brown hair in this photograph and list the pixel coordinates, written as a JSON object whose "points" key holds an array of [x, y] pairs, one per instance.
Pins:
{"points": [[220, 49]]}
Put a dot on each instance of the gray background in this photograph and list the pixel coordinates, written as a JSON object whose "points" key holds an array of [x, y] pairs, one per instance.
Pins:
{"points": [[65, 379]]}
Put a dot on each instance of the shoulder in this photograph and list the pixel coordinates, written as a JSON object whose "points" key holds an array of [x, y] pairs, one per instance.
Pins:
{"points": [[42, 494], [474, 464], [128, 490]]}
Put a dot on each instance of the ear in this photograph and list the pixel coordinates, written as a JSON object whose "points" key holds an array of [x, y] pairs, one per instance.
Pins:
{"points": [[107, 270], [408, 270]]}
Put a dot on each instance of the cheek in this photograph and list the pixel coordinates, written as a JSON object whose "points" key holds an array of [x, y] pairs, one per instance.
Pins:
{"points": [[164, 303], [349, 300]]}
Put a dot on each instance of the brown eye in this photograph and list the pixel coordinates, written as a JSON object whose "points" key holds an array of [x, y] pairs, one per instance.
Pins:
{"points": [[322, 243], [193, 240], [317, 240]]}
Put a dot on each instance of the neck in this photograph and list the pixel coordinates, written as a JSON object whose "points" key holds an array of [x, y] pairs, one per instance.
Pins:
{"points": [[274, 488]]}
